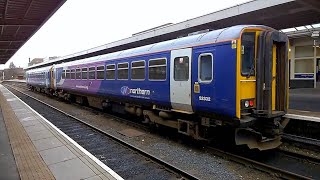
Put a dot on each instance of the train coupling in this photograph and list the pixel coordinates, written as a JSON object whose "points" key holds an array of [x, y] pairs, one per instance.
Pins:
{"points": [[255, 140]]}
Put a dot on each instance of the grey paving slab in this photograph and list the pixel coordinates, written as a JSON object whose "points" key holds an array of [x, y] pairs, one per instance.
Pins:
{"points": [[74, 150], [94, 178], [35, 128], [29, 123], [23, 115], [40, 135], [8, 168], [48, 143], [94, 164], [71, 169], [57, 154], [109, 176], [63, 139], [86, 162]]}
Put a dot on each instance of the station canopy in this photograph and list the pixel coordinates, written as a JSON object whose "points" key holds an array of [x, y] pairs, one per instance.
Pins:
{"points": [[19, 20], [279, 14]]}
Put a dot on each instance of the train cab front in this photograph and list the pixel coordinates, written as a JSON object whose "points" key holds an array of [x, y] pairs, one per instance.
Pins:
{"points": [[262, 88]]}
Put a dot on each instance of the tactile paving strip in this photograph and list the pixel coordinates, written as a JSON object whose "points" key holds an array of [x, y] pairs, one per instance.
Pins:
{"points": [[29, 163]]}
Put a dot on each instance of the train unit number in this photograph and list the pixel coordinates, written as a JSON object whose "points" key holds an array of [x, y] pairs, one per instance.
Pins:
{"points": [[204, 98]]}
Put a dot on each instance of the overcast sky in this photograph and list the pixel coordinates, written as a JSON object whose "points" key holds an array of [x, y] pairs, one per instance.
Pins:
{"points": [[82, 24]]}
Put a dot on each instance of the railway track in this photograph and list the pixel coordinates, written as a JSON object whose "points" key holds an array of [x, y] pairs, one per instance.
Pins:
{"points": [[302, 140], [271, 166], [128, 161]]}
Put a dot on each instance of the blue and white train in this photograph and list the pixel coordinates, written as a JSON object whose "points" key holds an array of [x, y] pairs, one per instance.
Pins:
{"points": [[235, 77]]}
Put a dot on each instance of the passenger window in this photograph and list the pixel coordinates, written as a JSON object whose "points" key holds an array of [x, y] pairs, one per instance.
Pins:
{"points": [[100, 72], [68, 76], [92, 73], [157, 69], [138, 70], [181, 68], [205, 68], [110, 72], [84, 73], [73, 74], [123, 71], [78, 73]]}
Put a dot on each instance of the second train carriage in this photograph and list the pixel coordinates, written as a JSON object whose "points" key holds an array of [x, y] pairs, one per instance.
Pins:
{"points": [[235, 76]]}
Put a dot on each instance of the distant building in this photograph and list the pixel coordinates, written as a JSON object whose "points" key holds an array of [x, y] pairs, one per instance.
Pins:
{"points": [[14, 73], [35, 61]]}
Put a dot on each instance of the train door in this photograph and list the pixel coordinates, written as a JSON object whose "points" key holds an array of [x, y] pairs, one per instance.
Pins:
{"points": [[180, 79], [202, 79], [272, 74], [52, 78]]}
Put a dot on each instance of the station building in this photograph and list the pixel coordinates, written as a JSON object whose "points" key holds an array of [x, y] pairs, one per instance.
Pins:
{"points": [[304, 56]]}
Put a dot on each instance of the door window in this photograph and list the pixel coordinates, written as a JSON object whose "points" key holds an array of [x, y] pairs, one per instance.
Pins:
{"points": [[205, 68], [181, 68]]}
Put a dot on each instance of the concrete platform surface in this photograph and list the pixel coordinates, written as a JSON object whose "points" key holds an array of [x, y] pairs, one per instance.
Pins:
{"points": [[41, 150]]}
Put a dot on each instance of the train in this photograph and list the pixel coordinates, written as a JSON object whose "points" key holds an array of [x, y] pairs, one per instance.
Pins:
{"points": [[235, 77]]}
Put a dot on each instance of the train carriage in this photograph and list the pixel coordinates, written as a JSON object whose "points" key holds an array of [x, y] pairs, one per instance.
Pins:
{"points": [[237, 77]]}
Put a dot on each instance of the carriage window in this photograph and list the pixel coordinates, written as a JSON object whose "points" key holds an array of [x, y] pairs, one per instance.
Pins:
{"points": [[110, 71], [205, 68], [100, 72], [84, 73], [247, 53], [68, 76], [92, 73], [181, 68], [157, 69], [123, 71], [138, 70], [63, 74], [73, 75], [78, 73]]}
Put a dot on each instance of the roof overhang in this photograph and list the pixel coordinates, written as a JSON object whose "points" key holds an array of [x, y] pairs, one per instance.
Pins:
{"points": [[279, 14], [19, 20]]}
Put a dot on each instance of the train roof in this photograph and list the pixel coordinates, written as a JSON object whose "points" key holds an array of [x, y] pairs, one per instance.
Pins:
{"points": [[214, 36]]}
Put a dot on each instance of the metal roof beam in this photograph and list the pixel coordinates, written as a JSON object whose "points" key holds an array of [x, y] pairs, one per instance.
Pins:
{"points": [[5, 10], [11, 39], [27, 9], [16, 41], [8, 49], [312, 4], [24, 25], [2, 27]]}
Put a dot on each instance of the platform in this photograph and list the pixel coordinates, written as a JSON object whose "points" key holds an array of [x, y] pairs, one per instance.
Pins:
{"points": [[33, 148]]}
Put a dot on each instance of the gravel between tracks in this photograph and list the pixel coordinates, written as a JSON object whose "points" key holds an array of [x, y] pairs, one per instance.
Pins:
{"points": [[193, 160]]}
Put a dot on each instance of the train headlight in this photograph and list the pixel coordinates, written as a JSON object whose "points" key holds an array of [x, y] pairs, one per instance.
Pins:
{"points": [[246, 104]]}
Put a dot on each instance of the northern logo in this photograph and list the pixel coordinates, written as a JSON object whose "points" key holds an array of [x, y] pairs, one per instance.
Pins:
{"points": [[125, 90]]}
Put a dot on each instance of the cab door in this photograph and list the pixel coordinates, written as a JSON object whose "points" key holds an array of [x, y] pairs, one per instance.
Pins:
{"points": [[180, 80]]}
